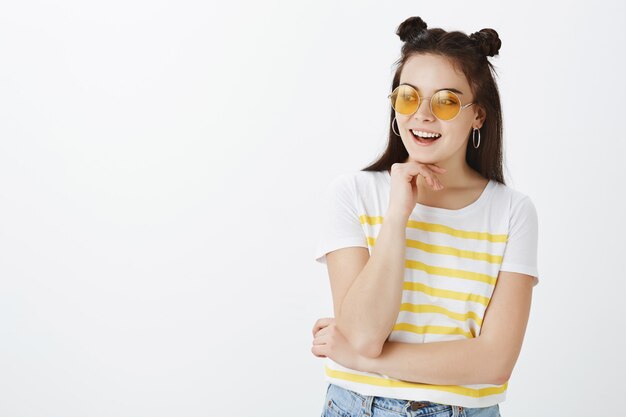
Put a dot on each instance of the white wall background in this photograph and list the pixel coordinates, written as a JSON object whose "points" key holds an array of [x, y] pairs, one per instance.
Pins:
{"points": [[161, 165]]}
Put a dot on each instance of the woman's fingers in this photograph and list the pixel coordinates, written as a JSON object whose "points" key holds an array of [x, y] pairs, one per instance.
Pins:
{"points": [[440, 170], [426, 170], [319, 339], [321, 323], [315, 349]]}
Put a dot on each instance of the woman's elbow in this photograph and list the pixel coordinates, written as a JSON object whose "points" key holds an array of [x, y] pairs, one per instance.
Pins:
{"points": [[499, 378], [367, 347], [500, 372], [366, 344], [370, 348], [497, 362]]}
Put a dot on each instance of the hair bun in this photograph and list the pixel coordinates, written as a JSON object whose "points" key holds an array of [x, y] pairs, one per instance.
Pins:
{"points": [[411, 29], [488, 41]]}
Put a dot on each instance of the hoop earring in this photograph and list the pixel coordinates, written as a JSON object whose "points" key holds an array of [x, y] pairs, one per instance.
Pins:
{"points": [[473, 138], [394, 120]]}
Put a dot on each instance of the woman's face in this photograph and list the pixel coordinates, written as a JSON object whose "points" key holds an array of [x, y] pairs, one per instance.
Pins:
{"points": [[429, 73]]}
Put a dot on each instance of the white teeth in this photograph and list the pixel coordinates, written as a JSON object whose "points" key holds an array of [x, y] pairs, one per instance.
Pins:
{"points": [[425, 134]]}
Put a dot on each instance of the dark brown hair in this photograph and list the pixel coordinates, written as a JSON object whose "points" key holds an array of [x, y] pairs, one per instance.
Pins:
{"points": [[468, 54]]}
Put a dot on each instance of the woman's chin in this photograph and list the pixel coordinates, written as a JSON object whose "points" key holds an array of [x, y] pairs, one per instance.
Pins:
{"points": [[422, 160]]}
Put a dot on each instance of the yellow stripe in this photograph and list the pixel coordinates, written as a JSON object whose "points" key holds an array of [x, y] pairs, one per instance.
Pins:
{"points": [[440, 228], [364, 218], [429, 308], [447, 250], [394, 383], [450, 272], [436, 292], [408, 327]]}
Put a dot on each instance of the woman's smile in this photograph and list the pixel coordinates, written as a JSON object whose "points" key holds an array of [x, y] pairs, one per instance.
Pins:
{"points": [[423, 141]]}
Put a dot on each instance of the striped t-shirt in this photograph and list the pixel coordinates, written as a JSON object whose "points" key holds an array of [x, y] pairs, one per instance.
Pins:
{"points": [[452, 263]]}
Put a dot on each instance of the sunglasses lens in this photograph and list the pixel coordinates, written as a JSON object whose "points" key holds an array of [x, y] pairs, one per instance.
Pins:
{"points": [[446, 105], [404, 99]]}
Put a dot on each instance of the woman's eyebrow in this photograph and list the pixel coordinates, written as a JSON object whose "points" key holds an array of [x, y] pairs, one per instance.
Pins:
{"points": [[447, 88]]}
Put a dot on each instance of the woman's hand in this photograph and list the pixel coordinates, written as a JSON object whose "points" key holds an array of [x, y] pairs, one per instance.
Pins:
{"points": [[330, 342], [403, 197]]}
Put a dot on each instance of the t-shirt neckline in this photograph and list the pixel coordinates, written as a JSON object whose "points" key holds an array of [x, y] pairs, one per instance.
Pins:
{"points": [[484, 195]]}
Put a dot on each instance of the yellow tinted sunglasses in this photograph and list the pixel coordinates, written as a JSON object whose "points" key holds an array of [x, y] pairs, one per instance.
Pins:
{"points": [[444, 104]]}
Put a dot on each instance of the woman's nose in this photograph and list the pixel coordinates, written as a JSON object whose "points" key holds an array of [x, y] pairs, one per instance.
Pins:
{"points": [[423, 111]]}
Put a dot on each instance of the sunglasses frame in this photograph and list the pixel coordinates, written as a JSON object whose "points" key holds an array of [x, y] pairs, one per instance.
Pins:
{"points": [[420, 98]]}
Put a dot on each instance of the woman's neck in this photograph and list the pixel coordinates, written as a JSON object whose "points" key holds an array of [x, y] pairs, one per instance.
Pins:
{"points": [[457, 176]]}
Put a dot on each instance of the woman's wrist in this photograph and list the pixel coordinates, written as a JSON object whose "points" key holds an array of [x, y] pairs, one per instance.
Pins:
{"points": [[395, 217]]}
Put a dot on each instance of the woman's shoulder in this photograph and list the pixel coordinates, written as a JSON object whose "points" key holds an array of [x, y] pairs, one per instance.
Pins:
{"points": [[509, 190], [513, 197], [360, 178], [360, 184]]}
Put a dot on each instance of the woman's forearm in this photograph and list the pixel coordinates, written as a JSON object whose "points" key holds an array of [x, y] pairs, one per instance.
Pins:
{"points": [[455, 362], [371, 305]]}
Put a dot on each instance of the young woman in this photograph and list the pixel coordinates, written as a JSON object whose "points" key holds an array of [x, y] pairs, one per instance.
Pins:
{"points": [[431, 257]]}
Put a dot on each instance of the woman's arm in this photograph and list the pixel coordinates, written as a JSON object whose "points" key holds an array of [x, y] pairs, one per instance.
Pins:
{"points": [[486, 359], [368, 311]]}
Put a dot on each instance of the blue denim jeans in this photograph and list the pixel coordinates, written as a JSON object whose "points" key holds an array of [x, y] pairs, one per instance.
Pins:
{"points": [[341, 402]]}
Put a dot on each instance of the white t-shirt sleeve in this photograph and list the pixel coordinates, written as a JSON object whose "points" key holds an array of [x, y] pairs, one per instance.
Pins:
{"points": [[520, 253], [340, 226]]}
